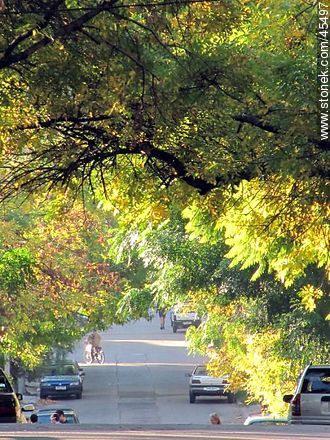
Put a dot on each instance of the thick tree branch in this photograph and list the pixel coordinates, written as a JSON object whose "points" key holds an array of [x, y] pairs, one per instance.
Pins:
{"points": [[178, 168], [9, 58], [63, 120], [256, 121], [43, 24]]}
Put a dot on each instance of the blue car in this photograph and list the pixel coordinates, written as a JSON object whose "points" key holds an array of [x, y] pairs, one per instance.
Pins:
{"points": [[44, 415], [62, 380]]}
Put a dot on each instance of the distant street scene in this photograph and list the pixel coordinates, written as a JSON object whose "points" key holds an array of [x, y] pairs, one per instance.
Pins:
{"points": [[143, 380]]}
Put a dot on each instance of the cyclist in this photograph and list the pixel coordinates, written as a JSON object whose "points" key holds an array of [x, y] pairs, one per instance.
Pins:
{"points": [[93, 344]]}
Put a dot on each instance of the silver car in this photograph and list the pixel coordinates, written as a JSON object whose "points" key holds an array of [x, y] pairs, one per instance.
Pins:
{"points": [[311, 402], [202, 384]]}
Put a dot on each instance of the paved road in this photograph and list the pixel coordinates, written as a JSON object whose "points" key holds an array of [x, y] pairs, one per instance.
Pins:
{"points": [[142, 394], [143, 381]]}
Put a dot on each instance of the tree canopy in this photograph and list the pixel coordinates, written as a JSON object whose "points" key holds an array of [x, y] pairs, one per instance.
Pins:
{"points": [[55, 282], [215, 96]]}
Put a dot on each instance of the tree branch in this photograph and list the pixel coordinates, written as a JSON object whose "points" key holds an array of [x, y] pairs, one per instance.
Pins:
{"points": [[20, 38], [8, 59], [62, 120], [256, 121]]}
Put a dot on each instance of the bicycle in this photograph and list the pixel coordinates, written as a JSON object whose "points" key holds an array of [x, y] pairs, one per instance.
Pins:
{"points": [[96, 354]]}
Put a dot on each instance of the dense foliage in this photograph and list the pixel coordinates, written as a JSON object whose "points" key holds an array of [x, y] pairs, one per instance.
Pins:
{"points": [[55, 282]]}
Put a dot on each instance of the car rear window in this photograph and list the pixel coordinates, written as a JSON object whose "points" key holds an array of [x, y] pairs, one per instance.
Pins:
{"points": [[317, 381], [5, 386], [201, 371], [60, 370]]}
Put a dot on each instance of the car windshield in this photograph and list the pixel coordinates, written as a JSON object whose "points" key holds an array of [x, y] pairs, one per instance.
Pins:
{"points": [[60, 370], [5, 386], [317, 381], [44, 419]]}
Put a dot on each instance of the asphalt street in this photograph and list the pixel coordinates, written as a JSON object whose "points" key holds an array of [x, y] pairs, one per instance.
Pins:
{"points": [[143, 381], [141, 393]]}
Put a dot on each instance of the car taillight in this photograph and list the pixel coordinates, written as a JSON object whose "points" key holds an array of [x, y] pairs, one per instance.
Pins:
{"points": [[195, 381], [296, 405]]}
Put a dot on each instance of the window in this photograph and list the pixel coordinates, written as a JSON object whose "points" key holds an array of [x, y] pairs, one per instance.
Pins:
{"points": [[201, 371], [5, 385], [317, 381], [60, 370], [45, 418]]}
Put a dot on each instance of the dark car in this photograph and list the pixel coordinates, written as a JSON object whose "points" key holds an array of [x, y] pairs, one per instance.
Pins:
{"points": [[44, 415], [10, 409], [63, 379]]}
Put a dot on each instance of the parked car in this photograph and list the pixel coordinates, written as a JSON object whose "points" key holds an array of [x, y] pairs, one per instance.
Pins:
{"points": [[62, 379], [45, 414], [202, 384], [310, 404], [266, 420], [183, 317], [10, 408]]}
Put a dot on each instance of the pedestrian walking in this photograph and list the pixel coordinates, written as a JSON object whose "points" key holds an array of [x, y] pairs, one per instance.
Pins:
{"points": [[162, 316]]}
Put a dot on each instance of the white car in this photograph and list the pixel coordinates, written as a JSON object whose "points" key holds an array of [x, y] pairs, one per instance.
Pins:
{"points": [[311, 402], [202, 384], [183, 317], [269, 420]]}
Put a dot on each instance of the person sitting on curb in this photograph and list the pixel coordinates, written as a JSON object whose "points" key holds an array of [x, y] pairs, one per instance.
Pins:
{"points": [[215, 419]]}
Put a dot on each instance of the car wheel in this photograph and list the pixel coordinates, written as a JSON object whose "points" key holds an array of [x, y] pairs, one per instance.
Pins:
{"points": [[174, 328], [78, 395], [192, 397], [43, 396]]}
